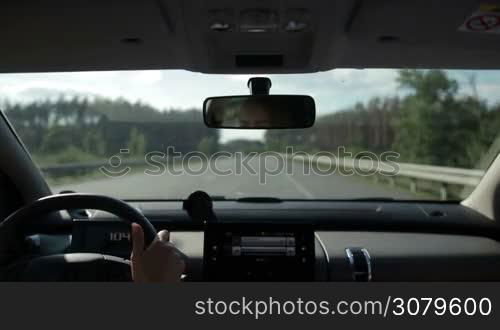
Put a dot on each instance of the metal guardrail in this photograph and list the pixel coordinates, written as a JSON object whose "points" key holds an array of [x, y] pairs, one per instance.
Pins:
{"points": [[59, 170], [442, 175]]}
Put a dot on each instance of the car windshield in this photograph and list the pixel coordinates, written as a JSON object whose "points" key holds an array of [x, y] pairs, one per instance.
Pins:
{"points": [[379, 133]]}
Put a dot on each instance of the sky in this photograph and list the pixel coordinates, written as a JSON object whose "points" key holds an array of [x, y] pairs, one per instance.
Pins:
{"points": [[332, 90]]}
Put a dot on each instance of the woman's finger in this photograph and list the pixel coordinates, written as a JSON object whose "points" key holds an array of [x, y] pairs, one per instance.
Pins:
{"points": [[137, 240], [164, 236]]}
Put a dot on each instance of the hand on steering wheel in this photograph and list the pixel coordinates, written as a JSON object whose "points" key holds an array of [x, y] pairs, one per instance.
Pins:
{"points": [[161, 261], [154, 258]]}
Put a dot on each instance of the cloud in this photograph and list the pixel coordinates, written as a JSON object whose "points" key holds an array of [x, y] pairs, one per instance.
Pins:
{"points": [[235, 134], [183, 89]]}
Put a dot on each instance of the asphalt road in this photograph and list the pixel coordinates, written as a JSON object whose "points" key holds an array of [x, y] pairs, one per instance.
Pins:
{"points": [[296, 184]]}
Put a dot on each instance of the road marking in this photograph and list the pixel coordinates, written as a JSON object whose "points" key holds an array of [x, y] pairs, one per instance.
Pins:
{"points": [[300, 187]]}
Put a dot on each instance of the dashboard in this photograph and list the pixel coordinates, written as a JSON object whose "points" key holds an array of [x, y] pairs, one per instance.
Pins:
{"points": [[293, 241], [222, 252]]}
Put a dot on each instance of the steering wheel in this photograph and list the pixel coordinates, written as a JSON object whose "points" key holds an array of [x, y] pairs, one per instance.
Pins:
{"points": [[71, 266]]}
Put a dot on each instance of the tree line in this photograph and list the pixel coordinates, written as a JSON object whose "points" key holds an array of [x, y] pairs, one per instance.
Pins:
{"points": [[79, 129], [433, 123]]}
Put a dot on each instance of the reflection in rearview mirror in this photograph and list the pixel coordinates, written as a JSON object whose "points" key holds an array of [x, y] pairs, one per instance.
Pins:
{"points": [[259, 111]]}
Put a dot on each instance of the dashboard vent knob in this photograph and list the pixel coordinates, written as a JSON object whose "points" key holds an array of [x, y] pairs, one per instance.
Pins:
{"points": [[360, 263]]}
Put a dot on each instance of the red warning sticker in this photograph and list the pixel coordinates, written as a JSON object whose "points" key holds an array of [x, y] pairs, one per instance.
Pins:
{"points": [[485, 20]]}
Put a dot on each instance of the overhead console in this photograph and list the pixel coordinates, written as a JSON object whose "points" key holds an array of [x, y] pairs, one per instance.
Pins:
{"points": [[241, 37], [258, 252]]}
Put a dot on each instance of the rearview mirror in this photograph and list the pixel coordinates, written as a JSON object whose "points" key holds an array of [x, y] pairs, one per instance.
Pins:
{"points": [[259, 111]]}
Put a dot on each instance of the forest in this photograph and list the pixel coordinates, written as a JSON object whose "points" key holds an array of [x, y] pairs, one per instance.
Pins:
{"points": [[79, 130], [433, 123]]}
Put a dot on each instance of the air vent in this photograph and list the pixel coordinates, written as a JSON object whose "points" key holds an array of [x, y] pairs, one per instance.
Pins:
{"points": [[388, 39], [359, 260], [437, 213], [258, 61]]}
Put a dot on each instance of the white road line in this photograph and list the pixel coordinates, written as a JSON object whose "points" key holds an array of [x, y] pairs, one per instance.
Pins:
{"points": [[300, 187]]}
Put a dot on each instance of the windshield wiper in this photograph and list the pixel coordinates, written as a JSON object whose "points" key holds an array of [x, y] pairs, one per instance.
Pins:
{"points": [[218, 198], [247, 199], [373, 199], [259, 200], [278, 200]]}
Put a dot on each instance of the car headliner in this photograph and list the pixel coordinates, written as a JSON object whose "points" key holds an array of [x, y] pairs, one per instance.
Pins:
{"points": [[78, 35]]}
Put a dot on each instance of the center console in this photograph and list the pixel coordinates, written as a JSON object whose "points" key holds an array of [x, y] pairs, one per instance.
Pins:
{"points": [[258, 252]]}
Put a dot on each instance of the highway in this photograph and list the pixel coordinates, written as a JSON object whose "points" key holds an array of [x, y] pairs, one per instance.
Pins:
{"points": [[292, 185]]}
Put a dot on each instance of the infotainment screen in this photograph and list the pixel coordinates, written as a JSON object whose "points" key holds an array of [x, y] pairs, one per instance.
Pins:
{"points": [[267, 244], [253, 252]]}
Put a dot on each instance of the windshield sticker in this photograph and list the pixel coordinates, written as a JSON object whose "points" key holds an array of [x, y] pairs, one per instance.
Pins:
{"points": [[485, 20]]}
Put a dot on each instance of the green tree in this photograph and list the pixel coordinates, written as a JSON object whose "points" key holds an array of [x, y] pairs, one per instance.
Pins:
{"points": [[136, 143], [94, 143], [433, 125], [208, 145]]}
